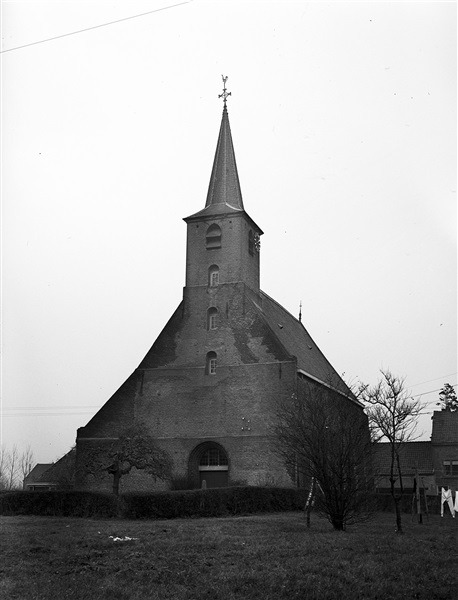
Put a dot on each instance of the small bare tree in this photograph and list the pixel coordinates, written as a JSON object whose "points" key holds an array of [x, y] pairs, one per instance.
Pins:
{"points": [[26, 462], [324, 440], [134, 448], [3, 464], [393, 414], [12, 468]]}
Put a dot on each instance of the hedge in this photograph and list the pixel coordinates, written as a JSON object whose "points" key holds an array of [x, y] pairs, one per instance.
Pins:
{"points": [[214, 502], [70, 503]]}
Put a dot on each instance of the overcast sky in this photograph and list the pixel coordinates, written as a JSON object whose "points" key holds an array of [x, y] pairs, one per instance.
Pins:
{"points": [[343, 117]]}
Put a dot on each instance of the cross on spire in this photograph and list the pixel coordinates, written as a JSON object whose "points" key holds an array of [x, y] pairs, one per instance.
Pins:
{"points": [[225, 93]]}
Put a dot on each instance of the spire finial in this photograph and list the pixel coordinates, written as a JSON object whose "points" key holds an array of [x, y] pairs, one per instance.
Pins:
{"points": [[225, 93], [300, 311]]}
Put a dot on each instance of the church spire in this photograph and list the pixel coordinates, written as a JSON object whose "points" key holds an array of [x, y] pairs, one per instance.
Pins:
{"points": [[224, 187]]}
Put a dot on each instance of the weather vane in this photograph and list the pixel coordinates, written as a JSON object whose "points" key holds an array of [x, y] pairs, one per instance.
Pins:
{"points": [[225, 93]]}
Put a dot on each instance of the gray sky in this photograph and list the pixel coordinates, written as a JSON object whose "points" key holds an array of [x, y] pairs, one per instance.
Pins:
{"points": [[343, 117]]}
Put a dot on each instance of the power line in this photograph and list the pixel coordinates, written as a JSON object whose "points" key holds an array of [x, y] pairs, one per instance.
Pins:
{"points": [[31, 411], [44, 414], [94, 27], [431, 392], [429, 380], [34, 408]]}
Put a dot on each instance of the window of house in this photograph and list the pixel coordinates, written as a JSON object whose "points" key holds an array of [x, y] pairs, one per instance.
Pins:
{"points": [[251, 242], [210, 366], [213, 457], [213, 237], [212, 316], [450, 467], [213, 276]]}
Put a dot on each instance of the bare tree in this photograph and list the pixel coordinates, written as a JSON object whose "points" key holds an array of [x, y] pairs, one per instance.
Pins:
{"points": [[393, 414], [12, 468], [134, 448], [324, 440], [3, 465], [26, 462]]}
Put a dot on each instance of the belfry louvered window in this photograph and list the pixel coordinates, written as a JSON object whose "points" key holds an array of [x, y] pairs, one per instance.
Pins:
{"points": [[213, 237], [251, 242]]}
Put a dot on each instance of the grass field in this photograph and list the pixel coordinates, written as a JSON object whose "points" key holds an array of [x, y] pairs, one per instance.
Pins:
{"points": [[267, 557]]}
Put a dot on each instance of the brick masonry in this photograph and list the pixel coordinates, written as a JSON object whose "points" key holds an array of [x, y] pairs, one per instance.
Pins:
{"points": [[185, 406]]}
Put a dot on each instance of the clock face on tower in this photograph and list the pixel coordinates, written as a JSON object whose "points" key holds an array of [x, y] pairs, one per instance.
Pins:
{"points": [[257, 242]]}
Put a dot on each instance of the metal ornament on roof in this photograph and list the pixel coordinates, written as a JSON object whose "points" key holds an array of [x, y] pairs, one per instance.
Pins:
{"points": [[225, 93]]}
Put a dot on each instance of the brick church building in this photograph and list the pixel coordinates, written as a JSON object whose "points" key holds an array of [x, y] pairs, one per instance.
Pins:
{"points": [[209, 387]]}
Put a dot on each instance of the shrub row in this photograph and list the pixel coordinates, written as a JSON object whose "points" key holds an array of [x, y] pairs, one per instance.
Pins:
{"points": [[59, 504], [212, 502], [160, 505], [168, 505]]}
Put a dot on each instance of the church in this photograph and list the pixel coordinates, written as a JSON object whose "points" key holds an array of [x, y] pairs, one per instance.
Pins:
{"points": [[210, 386]]}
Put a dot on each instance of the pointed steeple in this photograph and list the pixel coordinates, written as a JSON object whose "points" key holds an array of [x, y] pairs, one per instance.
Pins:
{"points": [[224, 193], [224, 187]]}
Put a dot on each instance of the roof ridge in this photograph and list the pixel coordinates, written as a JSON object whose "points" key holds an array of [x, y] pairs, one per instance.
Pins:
{"points": [[266, 321], [282, 307]]}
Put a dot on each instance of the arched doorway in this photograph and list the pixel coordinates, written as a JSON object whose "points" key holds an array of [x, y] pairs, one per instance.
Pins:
{"points": [[209, 462]]}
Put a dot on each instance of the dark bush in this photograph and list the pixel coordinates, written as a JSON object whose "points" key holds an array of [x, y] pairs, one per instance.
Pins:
{"points": [[214, 502], [59, 504], [181, 482]]}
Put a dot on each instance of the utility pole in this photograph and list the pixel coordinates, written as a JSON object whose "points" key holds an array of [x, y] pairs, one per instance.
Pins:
{"points": [[417, 494]]}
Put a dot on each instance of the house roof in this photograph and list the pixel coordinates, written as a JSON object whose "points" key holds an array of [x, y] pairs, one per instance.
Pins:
{"points": [[412, 455], [60, 469], [37, 472], [299, 343]]}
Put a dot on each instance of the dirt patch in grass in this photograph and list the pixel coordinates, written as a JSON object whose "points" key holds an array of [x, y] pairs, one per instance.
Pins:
{"points": [[268, 557]]}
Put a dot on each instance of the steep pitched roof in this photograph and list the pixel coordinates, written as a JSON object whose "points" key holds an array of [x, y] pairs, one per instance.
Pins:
{"points": [[412, 454], [299, 343], [224, 192], [62, 469], [37, 472]]}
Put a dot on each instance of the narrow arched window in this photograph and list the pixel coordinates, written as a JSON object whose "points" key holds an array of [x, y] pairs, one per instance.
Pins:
{"points": [[210, 366], [212, 318], [213, 237], [213, 275], [251, 242]]}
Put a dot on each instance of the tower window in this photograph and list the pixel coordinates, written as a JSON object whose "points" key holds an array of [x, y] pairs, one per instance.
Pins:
{"points": [[210, 367], [251, 242], [213, 237], [213, 276], [212, 318]]}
